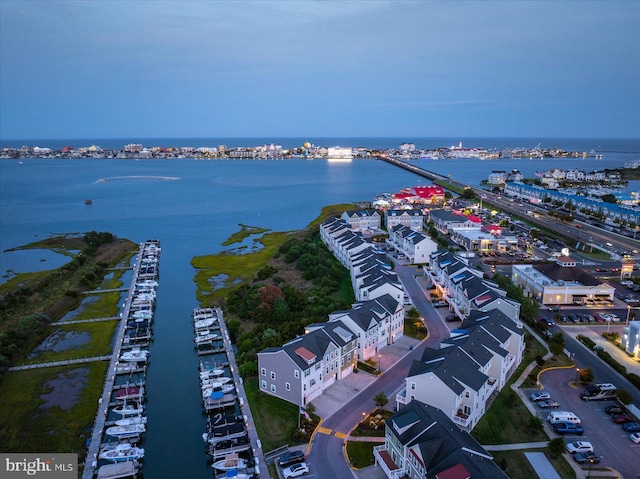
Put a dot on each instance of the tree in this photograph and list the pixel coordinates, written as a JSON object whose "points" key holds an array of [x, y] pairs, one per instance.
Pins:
{"points": [[412, 314], [310, 408], [556, 446], [624, 396], [556, 348], [586, 375], [380, 399]]}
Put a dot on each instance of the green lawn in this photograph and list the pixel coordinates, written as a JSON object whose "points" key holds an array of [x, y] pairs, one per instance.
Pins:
{"points": [[361, 453], [274, 418], [506, 420]]}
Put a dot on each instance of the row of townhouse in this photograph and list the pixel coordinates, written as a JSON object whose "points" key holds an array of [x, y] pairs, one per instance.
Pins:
{"points": [[461, 377], [365, 219], [579, 175], [537, 194], [445, 220], [302, 369], [421, 443], [416, 246]]}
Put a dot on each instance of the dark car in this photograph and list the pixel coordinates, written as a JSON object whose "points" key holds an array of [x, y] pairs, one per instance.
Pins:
{"points": [[439, 303], [615, 409], [452, 318], [586, 457], [290, 457], [554, 309], [568, 428], [631, 427]]}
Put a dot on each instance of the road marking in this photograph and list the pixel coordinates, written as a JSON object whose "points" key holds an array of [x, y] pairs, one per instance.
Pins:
{"points": [[340, 435], [324, 430]]}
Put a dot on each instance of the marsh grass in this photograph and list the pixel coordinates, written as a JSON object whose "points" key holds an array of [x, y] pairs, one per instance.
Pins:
{"points": [[26, 427], [245, 232]]}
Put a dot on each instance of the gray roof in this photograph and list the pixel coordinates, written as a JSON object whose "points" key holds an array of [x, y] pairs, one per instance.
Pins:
{"points": [[556, 272], [446, 215], [440, 442]]}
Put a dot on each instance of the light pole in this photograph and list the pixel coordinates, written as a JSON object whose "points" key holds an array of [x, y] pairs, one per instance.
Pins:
{"points": [[379, 366], [628, 312], [577, 374], [590, 464]]}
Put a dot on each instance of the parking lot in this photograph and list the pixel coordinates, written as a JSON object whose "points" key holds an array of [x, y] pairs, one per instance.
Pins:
{"points": [[610, 441]]}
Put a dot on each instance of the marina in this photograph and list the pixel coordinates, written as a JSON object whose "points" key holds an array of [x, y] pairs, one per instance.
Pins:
{"points": [[231, 443], [113, 449]]}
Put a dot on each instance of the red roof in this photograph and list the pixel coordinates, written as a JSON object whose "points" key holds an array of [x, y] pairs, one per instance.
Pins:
{"points": [[474, 218], [456, 472], [305, 354]]}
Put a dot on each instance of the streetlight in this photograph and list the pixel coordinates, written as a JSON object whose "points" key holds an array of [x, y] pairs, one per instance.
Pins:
{"points": [[628, 312], [577, 374], [379, 359], [590, 464]]}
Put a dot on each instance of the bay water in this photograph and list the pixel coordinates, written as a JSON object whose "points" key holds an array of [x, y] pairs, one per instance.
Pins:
{"points": [[192, 207]]}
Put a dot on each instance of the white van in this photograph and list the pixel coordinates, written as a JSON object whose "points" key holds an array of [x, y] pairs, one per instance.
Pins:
{"points": [[562, 416]]}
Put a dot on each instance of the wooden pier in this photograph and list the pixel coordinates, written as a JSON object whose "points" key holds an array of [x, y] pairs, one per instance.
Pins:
{"points": [[80, 321], [101, 417], [66, 362]]}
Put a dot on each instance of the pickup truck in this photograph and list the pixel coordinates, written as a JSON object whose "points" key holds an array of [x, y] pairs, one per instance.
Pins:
{"points": [[568, 428], [586, 457]]}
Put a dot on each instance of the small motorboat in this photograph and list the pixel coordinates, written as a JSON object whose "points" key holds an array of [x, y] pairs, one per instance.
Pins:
{"points": [[135, 355], [122, 452], [203, 323], [224, 389], [128, 421], [123, 432], [129, 392], [205, 337], [231, 461], [211, 373], [129, 409]]}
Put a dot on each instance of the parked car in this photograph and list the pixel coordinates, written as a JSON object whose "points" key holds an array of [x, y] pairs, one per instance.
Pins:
{"points": [[579, 446], [554, 309], [622, 418], [586, 457], [295, 471], [439, 303], [635, 437], [568, 428], [540, 396], [549, 403], [451, 318], [613, 409], [631, 427], [290, 457]]}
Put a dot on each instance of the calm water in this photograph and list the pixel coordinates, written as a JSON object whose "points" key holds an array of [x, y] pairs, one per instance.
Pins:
{"points": [[192, 207]]}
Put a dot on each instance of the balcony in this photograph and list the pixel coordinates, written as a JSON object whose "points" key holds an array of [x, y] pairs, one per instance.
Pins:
{"points": [[493, 385], [391, 470], [462, 419], [401, 397]]}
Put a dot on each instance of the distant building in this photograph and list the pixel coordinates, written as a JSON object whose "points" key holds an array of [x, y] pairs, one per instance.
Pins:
{"points": [[339, 153], [413, 218]]}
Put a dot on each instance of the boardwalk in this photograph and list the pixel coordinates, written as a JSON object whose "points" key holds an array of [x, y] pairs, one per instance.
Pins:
{"points": [[65, 362], [101, 417], [99, 291], [80, 321]]}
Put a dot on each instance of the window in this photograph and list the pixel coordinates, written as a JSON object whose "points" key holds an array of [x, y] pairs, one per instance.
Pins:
{"points": [[273, 388], [264, 384], [288, 386], [296, 373], [273, 376], [263, 371], [466, 394], [307, 372], [413, 386]]}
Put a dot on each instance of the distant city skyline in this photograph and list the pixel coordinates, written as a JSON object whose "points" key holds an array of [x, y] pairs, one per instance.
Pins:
{"points": [[277, 69]]}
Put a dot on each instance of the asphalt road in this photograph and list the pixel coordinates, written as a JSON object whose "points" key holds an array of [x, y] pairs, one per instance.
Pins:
{"points": [[327, 457]]}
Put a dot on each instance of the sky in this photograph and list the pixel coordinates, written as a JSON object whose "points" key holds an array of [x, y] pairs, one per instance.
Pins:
{"points": [[154, 69]]}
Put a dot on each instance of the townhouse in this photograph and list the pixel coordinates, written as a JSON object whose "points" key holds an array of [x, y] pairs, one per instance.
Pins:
{"points": [[366, 219], [416, 246], [413, 219], [421, 443], [376, 324], [302, 369]]}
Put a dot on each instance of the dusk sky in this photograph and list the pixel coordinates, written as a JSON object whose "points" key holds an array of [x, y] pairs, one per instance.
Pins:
{"points": [[126, 69]]}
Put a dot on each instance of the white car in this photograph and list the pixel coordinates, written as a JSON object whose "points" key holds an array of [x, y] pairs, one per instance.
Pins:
{"points": [[635, 437], [295, 470], [579, 446], [540, 396]]}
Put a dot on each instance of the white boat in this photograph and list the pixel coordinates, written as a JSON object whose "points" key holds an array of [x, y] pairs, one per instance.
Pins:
{"points": [[124, 432], [205, 337], [226, 388], [135, 355], [203, 323], [211, 373], [214, 382], [122, 452], [119, 469], [126, 368], [128, 421], [129, 409], [231, 461]]}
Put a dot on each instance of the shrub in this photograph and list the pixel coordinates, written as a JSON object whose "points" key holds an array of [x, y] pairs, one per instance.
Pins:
{"points": [[586, 341]]}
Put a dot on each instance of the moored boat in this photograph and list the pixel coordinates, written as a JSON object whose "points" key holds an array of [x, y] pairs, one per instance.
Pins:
{"points": [[129, 392], [124, 432], [135, 355], [122, 452], [118, 470], [232, 461], [128, 421], [129, 409]]}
